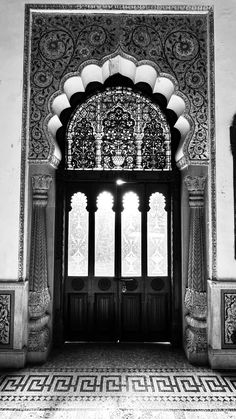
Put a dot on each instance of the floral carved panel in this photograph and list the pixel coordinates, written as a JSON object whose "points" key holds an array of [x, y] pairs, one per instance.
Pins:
{"points": [[61, 43], [6, 318], [228, 312]]}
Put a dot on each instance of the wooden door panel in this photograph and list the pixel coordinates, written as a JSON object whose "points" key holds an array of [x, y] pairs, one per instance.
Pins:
{"points": [[157, 313], [77, 314], [131, 313], [104, 314]]}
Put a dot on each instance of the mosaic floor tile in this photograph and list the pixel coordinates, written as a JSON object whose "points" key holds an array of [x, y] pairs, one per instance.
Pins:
{"points": [[117, 382]]}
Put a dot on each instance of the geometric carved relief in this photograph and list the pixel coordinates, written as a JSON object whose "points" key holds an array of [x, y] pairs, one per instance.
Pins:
{"points": [[6, 318], [228, 318]]}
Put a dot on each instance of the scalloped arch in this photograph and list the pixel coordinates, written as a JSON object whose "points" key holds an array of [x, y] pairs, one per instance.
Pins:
{"points": [[147, 73]]}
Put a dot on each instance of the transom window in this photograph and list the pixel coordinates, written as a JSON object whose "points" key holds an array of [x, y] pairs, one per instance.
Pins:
{"points": [[118, 129]]}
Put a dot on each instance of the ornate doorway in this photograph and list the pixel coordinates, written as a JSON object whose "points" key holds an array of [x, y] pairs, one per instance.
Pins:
{"points": [[66, 139], [119, 260], [118, 208]]}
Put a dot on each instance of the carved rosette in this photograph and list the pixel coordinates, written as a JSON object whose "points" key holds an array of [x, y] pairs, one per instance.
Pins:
{"points": [[195, 295], [39, 296]]}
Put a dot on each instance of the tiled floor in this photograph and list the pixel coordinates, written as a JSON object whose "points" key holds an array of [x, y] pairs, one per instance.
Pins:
{"points": [[117, 381]]}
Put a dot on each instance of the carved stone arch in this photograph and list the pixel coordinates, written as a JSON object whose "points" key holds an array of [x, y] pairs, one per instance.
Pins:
{"points": [[143, 75]]}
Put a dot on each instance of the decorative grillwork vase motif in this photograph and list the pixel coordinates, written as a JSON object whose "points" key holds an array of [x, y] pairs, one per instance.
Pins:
{"points": [[118, 160]]}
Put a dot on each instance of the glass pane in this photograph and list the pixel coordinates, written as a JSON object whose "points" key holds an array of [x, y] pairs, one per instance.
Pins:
{"points": [[104, 236], [78, 236], [131, 236], [157, 236]]}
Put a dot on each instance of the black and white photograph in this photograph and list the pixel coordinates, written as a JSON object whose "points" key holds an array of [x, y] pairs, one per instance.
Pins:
{"points": [[118, 209]]}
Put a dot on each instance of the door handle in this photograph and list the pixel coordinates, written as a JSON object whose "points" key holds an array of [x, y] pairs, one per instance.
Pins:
{"points": [[126, 279], [123, 288]]}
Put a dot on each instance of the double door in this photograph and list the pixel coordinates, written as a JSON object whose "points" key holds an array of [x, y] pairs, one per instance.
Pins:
{"points": [[119, 261]]}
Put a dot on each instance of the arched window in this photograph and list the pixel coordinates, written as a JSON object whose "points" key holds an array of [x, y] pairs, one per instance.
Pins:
{"points": [[118, 129]]}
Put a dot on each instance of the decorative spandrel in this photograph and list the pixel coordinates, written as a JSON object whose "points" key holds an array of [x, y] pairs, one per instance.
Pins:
{"points": [[157, 236], [78, 236], [118, 129], [104, 235], [177, 42], [131, 236]]}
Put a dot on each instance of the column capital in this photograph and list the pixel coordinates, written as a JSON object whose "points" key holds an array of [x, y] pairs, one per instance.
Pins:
{"points": [[195, 183], [138, 137], [195, 186], [41, 182], [98, 136]]}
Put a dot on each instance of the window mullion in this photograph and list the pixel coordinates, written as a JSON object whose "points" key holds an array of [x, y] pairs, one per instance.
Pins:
{"points": [[118, 210], [91, 246], [144, 242]]}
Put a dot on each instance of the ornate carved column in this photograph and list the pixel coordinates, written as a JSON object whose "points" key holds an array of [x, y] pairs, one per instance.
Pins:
{"points": [[139, 140], [195, 295], [139, 136], [98, 143], [98, 134], [39, 296]]}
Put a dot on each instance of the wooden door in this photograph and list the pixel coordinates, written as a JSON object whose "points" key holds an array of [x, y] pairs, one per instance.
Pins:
{"points": [[119, 261]]}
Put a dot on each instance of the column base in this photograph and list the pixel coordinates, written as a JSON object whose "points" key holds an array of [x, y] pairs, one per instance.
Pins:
{"points": [[195, 343], [222, 359], [195, 358], [12, 358], [38, 357]]}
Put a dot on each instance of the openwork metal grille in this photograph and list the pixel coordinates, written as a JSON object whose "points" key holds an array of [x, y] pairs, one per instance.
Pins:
{"points": [[118, 145], [118, 129], [83, 146]]}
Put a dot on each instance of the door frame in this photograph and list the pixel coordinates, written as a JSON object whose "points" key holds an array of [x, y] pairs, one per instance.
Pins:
{"points": [[67, 181]]}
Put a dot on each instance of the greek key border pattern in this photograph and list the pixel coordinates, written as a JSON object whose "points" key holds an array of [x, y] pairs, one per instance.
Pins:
{"points": [[121, 384]]}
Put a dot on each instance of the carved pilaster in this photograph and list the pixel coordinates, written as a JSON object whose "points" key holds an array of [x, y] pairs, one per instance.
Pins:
{"points": [[195, 295], [39, 296]]}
